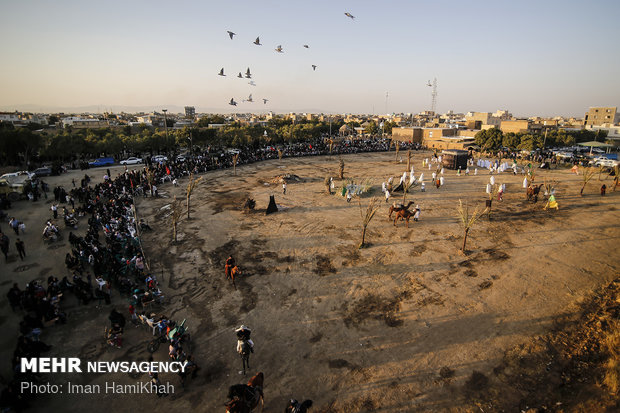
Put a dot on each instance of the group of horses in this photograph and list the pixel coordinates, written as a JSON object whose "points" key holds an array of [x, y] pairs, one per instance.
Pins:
{"points": [[245, 398], [402, 213], [532, 192]]}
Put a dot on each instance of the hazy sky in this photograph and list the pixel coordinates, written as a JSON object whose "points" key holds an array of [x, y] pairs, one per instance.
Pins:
{"points": [[543, 57]]}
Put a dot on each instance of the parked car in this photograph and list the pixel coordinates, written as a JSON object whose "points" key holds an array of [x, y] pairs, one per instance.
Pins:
{"points": [[12, 175], [605, 162], [12, 191], [131, 161], [101, 162], [159, 158], [43, 171], [182, 157]]}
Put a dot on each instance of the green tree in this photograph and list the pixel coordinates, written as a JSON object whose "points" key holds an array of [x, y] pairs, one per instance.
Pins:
{"points": [[511, 140], [530, 142], [371, 128], [489, 139]]}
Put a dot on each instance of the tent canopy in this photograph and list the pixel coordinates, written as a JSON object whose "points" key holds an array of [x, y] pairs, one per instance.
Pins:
{"points": [[595, 144]]}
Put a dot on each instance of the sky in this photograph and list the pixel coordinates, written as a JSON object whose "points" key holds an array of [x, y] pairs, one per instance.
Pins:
{"points": [[544, 57]]}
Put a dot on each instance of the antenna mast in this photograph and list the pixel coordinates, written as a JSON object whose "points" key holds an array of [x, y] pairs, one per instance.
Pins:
{"points": [[434, 95]]}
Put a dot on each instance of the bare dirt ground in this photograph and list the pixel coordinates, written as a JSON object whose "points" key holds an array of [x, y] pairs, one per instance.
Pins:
{"points": [[406, 324]]}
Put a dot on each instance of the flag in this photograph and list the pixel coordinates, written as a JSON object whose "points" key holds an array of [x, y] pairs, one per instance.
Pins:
{"points": [[167, 170]]}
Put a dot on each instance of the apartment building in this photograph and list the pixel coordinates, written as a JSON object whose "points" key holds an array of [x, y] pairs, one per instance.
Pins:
{"points": [[599, 116]]}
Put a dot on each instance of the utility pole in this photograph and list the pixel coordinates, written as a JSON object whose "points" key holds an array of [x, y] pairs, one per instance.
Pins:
{"points": [[165, 123], [434, 96], [330, 126], [191, 153]]}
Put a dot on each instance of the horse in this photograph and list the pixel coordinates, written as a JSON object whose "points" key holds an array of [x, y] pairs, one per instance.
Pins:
{"points": [[295, 407], [403, 214], [398, 208], [244, 398], [532, 192], [234, 271], [244, 352]]}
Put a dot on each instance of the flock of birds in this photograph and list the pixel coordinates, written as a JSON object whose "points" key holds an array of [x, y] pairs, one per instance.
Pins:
{"points": [[248, 74]]}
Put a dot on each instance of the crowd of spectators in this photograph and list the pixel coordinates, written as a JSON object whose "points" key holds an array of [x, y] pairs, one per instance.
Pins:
{"points": [[109, 255]]}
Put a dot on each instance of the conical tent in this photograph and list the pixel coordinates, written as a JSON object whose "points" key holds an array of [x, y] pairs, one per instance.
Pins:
{"points": [[272, 205]]}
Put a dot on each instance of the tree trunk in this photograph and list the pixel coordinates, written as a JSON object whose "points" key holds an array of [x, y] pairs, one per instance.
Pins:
{"points": [[465, 240], [188, 197], [174, 231], [363, 238], [582, 188]]}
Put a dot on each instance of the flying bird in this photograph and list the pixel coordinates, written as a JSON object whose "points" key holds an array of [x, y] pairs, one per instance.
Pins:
{"points": [[265, 101], [232, 102], [306, 46], [429, 83], [248, 75], [240, 75], [257, 41], [249, 99], [279, 49], [251, 83], [222, 72], [346, 14], [313, 67], [231, 34]]}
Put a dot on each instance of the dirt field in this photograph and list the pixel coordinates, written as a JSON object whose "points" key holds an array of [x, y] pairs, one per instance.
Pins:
{"points": [[406, 324]]}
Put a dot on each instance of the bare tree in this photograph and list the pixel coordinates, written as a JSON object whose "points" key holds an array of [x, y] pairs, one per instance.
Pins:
{"points": [[409, 160], [549, 185], [616, 172], [279, 154], [367, 217], [341, 164], [467, 221], [175, 214], [331, 146], [587, 174], [190, 188], [235, 159], [407, 185], [494, 190]]}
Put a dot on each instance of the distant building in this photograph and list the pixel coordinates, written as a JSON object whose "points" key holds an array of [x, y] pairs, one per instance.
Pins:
{"points": [[83, 123], [9, 116], [190, 112], [180, 124], [515, 126], [433, 138], [407, 134], [599, 116]]}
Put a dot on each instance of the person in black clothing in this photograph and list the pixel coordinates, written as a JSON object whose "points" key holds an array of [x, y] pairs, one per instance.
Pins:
{"points": [[15, 297], [21, 248], [117, 318], [4, 246]]}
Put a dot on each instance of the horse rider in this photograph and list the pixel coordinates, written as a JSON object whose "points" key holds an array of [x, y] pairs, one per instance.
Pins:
{"points": [[230, 263], [243, 335]]}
